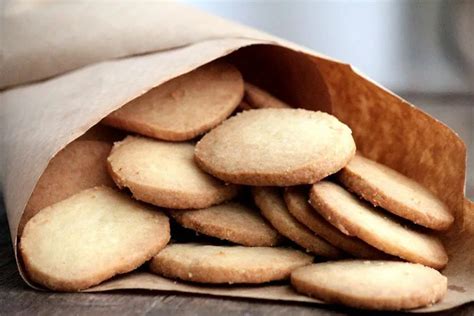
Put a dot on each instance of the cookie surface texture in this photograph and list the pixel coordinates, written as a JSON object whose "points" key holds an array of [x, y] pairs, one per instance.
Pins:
{"points": [[165, 174], [379, 285], [227, 264], [279, 147], [184, 107], [273, 208], [375, 226], [232, 221], [393, 191], [296, 199], [80, 165], [90, 237]]}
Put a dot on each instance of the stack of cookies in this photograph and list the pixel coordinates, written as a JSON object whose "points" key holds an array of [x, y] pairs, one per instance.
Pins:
{"points": [[280, 193]]}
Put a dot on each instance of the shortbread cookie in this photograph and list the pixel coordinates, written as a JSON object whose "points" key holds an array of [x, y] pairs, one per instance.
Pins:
{"points": [[90, 237], [380, 285], [184, 107], [280, 147], [258, 98], [164, 174], [273, 208], [376, 227], [387, 188], [231, 221], [296, 199], [227, 264], [80, 165]]}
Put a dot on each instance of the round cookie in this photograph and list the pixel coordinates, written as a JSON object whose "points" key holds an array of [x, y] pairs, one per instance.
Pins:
{"points": [[184, 107], [273, 208], [81, 165], [279, 147], [379, 285], [296, 199], [260, 99], [376, 227], [387, 188], [164, 174], [90, 237], [231, 221], [227, 264]]}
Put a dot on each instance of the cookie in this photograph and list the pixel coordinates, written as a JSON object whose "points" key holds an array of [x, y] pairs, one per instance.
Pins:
{"points": [[90, 237], [184, 107], [259, 99], [230, 221], [379, 285], [164, 174], [296, 199], [80, 165], [357, 218], [277, 147], [227, 264], [273, 208], [387, 188]]}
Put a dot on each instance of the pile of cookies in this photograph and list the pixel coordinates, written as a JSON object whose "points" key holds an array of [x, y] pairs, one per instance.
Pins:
{"points": [[280, 193]]}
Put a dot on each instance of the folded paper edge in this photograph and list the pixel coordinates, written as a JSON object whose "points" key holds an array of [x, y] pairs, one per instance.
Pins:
{"points": [[187, 34]]}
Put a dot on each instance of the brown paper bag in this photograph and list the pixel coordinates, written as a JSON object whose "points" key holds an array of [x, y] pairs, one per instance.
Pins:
{"points": [[93, 58]]}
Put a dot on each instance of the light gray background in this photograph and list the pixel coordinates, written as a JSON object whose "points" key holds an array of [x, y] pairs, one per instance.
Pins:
{"points": [[407, 45]]}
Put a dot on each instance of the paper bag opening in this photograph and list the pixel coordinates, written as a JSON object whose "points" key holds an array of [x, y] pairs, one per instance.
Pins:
{"points": [[385, 127]]}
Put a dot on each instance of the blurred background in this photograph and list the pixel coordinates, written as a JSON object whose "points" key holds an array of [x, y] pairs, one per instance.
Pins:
{"points": [[421, 49], [407, 45]]}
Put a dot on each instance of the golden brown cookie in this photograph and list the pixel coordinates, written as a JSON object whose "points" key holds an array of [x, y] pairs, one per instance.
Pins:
{"points": [[273, 208], [184, 107], [379, 285], [354, 217], [232, 221], [387, 188], [90, 237], [80, 165], [164, 174], [279, 147], [296, 199], [258, 98], [227, 264]]}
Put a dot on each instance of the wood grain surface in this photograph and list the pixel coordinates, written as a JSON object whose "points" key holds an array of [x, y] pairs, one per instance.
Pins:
{"points": [[16, 298]]}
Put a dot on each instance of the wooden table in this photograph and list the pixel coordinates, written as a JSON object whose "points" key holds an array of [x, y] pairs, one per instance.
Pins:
{"points": [[17, 298]]}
